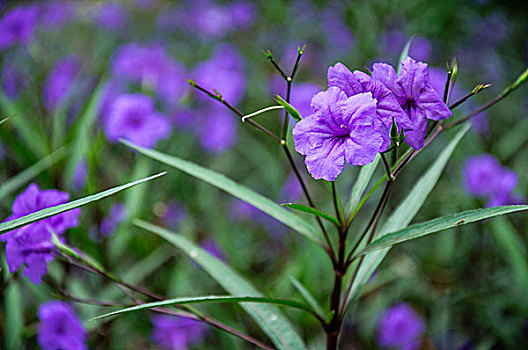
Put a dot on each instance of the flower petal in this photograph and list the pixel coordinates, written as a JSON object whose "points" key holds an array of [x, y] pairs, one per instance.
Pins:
{"points": [[413, 77], [340, 76], [327, 160], [429, 101]]}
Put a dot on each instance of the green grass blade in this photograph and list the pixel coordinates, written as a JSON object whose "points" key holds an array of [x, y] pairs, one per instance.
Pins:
{"points": [[312, 211], [268, 317], [439, 224], [404, 54], [207, 299], [361, 185], [46, 213], [17, 181], [307, 296], [237, 190], [406, 211]]}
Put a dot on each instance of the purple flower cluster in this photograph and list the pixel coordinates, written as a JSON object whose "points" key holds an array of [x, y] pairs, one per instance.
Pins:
{"points": [[111, 15], [60, 328], [30, 246], [176, 333], [13, 80], [150, 66], [58, 85], [209, 19], [485, 177], [350, 121], [18, 24], [134, 118], [400, 328], [55, 14]]}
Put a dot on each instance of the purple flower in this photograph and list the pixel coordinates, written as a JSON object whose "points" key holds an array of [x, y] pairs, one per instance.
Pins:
{"points": [[79, 175], [13, 81], [400, 328], [176, 333], [172, 214], [132, 117], [18, 24], [415, 94], [212, 248], [118, 214], [224, 71], [341, 129], [55, 14], [58, 83], [31, 245], [218, 130], [241, 211], [484, 176], [111, 15], [151, 66], [291, 190], [387, 107], [60, 328]]}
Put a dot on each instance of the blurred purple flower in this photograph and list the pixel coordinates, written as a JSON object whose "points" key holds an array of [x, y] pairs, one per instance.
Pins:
{"points": [[80, 173], [31, 245], [387, 106], [132, 117], [59, 83], [151, 66], [415, 94], [177, 333], [111, 15], [400, 328], [55, 14], [213, 248], [484, 176], [341, 129], [18, 24], [183, 118], [394, 42], [173, 214], [291, 190], [208, 19], [13, 81], [341, 37], [241, 211], [224, 71], [116, 215], [145, 4], [110, 90], [217, 130], [60, 328]]}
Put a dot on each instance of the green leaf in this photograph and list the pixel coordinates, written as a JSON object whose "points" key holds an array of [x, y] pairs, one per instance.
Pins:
{"points": [[404, 54], [17, 181], [6, 119], [240, 191], [289, 108], [35, 140], [307, 296], [13, 312], [268, 317], [207, 299], [46, 213], [439, 224], [513, 248], [361, 184], [406, 211], [82, 134], [312, 211]]}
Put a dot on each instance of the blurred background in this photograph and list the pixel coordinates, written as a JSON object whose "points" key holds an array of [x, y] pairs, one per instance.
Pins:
{"points": [[65, 66]]}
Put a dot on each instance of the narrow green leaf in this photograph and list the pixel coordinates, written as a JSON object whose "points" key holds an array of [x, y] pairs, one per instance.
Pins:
{"points": [[289, 108], [82, 134], [513, 248], [361, 184], [268, 317], [13, 316], [439, 224], [207, 299], [30, 134], [6, 119], [46, 213], [26, 175], [240, 191], [406, 211], [312, 211], [307, 296], [404, 54]]}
